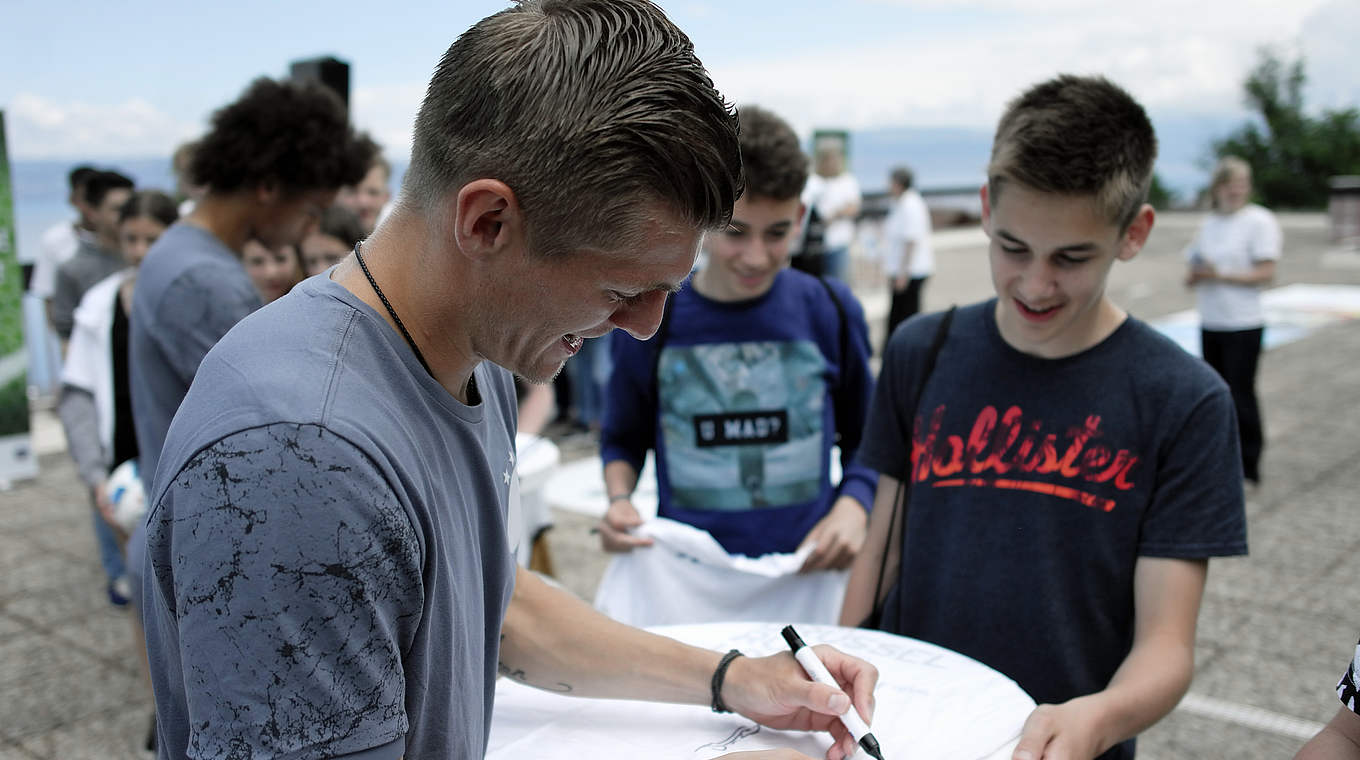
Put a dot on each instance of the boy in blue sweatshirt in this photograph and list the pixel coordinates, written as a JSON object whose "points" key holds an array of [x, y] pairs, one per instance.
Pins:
{"points": [[756, 373]]}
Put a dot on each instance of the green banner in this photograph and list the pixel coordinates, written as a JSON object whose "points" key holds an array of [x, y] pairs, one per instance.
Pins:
{"points": [[16, 455]]}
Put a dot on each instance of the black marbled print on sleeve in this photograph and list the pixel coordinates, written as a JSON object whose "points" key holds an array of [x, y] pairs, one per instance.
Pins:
{"points": [[296, 586]]}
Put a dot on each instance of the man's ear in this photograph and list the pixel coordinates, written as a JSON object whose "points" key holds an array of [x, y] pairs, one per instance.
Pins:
{"points": [[1136, 236], [487, 218]]}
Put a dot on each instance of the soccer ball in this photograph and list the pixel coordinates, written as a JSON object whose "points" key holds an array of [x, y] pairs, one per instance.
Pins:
{"points": [[125, 492]]}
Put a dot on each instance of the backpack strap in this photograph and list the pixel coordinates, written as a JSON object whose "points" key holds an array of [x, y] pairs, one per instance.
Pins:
{"points": [[838, 398], [902, 500]]}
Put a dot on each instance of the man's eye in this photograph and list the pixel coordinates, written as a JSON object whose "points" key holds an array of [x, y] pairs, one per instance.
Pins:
{"points": [[1014, 251], [1068, 261]]}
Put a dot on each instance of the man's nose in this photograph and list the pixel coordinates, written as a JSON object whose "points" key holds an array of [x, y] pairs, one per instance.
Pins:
{"points": [[641, 317]]}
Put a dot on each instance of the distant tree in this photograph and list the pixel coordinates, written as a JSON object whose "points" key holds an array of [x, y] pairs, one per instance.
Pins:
{"points": [[1159, 195], [1292, 155]]}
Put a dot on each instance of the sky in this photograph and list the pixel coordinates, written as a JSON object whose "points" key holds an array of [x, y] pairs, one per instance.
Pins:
{"points": [[84, 80]]}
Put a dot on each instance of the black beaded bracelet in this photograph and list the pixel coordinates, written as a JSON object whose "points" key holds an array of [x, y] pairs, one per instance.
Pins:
{"points": [[718, 674]]}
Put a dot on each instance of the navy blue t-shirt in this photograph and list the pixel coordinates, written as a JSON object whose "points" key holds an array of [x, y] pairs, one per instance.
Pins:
{"points": [[1038, 483]]}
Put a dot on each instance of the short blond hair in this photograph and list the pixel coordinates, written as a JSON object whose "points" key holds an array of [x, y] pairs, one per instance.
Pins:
{"points": [[1224, 170]]}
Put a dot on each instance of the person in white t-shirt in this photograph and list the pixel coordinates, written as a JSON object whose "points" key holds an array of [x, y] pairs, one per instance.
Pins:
{"points": [[1231, 258], [908, 259], [834, 193]]}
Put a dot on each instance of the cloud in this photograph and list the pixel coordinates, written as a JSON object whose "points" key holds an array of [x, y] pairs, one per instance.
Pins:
{"points": [[1327, 41], [40, 127], [388, 113], [1175, 57]]}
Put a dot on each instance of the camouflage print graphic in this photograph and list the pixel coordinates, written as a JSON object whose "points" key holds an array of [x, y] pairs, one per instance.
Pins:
{"points": [[743, 423]]}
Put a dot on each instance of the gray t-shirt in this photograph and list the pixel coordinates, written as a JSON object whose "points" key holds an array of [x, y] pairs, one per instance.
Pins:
{"points": [[327, 556], [87, 267], [191, 289]]}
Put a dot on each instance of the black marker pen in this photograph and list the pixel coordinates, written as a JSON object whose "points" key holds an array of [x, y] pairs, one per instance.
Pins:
{"points": [[817, 671]]}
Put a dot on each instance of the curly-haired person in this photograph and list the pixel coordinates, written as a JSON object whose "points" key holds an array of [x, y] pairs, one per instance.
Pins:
{"points": [[272, 163]]}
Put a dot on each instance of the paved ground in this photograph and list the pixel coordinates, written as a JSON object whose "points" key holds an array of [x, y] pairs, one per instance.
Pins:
{"points": [[1276, 629]]}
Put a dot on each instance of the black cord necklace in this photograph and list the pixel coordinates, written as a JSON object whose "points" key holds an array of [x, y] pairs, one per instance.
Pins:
{"points": [[388, 305]]}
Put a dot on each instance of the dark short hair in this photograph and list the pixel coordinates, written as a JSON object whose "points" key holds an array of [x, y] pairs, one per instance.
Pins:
{"points": [[100, 183], [79, 175], [1077, 136], [294, 134], [589, 110], [152, 203], [902, 175], [341, 224], [771, 158]]}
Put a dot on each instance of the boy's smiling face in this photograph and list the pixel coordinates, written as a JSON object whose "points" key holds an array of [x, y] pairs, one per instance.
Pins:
{"points": [[1050, 257], [744, 259]]}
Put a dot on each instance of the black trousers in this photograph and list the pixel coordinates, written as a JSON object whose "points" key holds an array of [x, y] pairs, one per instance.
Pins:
{"points": [[1235, 355], [904, 303]]}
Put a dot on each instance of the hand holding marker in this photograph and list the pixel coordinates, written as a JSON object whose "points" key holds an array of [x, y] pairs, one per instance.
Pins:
{"points": [[818, 672]]}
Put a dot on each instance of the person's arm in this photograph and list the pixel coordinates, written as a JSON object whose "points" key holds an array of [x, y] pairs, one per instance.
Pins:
{"points": [[1338, 740], [837, 537], [849, 210], [620, 479], [627, 431], [915, 223], [79, 417], [886, 447], [859, 591], [553, 641], [851, 197], [80, 423], [292, 596], [1262, 273], [840, 534], [62, 308], [1148, 684], [903, 276]]}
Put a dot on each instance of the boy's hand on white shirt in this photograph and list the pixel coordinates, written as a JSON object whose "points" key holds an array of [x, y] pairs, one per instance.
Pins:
{"points": [[620, 518], [838, 536]]}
